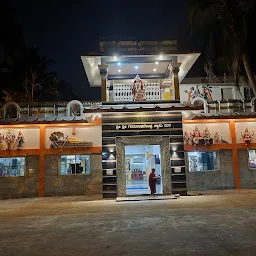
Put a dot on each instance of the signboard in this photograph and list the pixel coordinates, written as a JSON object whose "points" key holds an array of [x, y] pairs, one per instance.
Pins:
{"points": [[143, 126]]}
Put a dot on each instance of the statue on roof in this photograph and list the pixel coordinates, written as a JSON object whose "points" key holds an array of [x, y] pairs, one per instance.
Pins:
{"points": [[138, 89]]}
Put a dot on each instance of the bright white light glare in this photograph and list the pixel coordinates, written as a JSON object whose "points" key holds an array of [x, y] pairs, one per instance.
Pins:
{"points": [[136, 67], [119, 70], [156, 62], [115, 57], [119, 63], [160, 56], [154, 69]]}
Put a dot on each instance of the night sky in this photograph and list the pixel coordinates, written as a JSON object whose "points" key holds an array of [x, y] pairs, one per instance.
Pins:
{"points": [[65, 31]]}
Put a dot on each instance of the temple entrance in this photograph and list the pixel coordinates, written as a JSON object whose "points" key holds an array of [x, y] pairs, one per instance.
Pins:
{"points": [[139, 161], [147, 152]]}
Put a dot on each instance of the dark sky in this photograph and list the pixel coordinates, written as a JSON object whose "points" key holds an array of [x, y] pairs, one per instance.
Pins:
{"points": [[65, 30]]}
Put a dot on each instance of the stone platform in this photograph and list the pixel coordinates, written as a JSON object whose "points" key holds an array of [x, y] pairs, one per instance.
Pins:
{"points": [[145, 198]]}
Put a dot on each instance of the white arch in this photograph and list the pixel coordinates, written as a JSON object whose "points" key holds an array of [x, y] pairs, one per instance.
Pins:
{"points": [[74, 102], [203, 101], [7, 104], [253, 104]]}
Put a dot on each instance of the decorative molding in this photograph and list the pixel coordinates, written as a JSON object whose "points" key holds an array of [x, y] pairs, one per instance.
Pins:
{"points": [[72, 103]]}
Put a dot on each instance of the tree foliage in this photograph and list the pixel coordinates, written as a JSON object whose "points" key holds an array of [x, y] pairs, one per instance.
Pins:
{"points": [[224, 26], [27, 76]]}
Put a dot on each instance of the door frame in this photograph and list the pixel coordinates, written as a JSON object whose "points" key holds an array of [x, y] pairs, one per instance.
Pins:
{"points": [[163, 141]]}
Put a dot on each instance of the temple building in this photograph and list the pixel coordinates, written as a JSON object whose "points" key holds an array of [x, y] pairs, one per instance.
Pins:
{"points": [[199, 134]]}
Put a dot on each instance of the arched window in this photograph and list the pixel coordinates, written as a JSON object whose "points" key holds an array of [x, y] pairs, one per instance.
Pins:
{"points": [[74, 108], [200, 102], [11, 110], [253, 104]]}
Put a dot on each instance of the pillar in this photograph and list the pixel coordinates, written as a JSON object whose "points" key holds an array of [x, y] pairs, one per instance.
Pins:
{"points": [[175, 68], [166, 87], [41, 162], [103, 74], [236, 169]]}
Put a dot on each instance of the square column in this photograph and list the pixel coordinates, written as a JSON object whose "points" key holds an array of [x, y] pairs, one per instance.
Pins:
{"points": [[103, 74], [175, 68]]}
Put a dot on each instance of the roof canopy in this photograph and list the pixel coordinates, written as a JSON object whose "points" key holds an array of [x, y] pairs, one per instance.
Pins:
{"points": [[127, 66]]}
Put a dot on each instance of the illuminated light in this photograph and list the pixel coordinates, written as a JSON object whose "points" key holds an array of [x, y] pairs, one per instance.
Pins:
{"points": [[136, 67], [174, 148], [156, 62], [111, 157], [154, 69], [160, 56], [119, 63], [119, 70], [115, 58]]}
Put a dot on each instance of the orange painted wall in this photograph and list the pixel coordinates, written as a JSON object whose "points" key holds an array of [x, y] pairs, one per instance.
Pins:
{"points": [[44, 151], [234, 146]]}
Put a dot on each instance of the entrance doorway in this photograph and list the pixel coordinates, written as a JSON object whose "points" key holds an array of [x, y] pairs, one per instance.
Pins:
{"points": [[139, 161]]}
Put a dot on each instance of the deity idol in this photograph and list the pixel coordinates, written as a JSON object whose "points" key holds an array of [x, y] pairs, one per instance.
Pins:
{"points": [[247, 136], [216, 138], [187, 138], [20, 140], [138, 90], [206, 136], [195, 135], [2, 142], [9, 138]]}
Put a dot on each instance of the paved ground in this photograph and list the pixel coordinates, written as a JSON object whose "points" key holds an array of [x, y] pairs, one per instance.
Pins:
{"points": [[194, 225]]}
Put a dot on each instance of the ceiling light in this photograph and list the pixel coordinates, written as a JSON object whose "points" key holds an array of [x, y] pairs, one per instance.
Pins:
{"points": [[156, 62], [154, 69], [160, 56], [115, 58], [119, 63], [136, 67], [119, 70]]}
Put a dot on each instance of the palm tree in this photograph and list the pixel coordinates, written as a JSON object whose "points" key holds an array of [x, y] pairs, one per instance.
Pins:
{"points": [[224, 25]]}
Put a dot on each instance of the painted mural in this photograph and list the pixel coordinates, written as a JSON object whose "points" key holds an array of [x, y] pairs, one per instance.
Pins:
{"points": [[60, 140], [194, 92], [11, 141], [203, 137], [138, 89]]}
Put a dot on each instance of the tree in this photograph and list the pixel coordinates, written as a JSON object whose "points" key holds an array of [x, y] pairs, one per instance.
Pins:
{"points": [[223, 23], [30, 78], [24, 72], [36, 78]]}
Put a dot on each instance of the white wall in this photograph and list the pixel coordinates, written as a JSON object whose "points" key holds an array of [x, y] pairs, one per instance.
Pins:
{"points": [[142, 149], [215, 91], [241, 126]]}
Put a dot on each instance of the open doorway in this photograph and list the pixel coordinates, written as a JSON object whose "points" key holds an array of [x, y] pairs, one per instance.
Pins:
{"points": [[139, 160]]}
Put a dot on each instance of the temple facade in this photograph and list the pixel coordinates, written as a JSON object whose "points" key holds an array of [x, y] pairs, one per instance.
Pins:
{"points": [[197, 133]]}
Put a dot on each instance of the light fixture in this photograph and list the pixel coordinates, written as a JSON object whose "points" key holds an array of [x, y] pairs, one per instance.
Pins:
{"points": [[119, 63], [119, 70], [156, 62], [154, 69], [115, 58], [136, 67], [160, 56]]}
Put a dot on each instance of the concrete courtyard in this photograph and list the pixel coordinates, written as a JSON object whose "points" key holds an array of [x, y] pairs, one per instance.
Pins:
{"points": [[219, 224]]}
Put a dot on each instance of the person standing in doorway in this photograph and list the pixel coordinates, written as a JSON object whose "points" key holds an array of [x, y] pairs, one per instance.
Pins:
{"points": [[152, 181]]}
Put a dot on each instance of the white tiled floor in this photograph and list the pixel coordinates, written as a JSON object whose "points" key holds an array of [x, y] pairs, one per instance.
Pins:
{"points": [[140, 187]]}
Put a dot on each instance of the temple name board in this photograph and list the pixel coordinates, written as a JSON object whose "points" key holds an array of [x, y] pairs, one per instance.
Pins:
{"points": [[143, 126]]}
